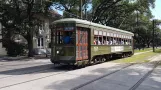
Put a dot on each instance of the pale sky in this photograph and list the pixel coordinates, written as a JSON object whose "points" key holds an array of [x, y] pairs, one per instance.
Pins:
{"points": [[157, 10]]}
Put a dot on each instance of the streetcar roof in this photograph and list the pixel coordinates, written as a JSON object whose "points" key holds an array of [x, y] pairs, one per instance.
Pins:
{"points": [[90, 24]]}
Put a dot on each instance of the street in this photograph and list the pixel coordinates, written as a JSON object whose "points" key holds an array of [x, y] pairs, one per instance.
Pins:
{"points": [[42, 75]]}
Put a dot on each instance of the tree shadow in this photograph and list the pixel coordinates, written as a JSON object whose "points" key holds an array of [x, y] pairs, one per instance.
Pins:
{"points": [[97, 80], [37, 69]]}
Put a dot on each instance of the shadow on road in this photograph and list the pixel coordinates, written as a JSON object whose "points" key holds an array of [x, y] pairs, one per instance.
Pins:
{"points": [[37, 69], [118, 81]]}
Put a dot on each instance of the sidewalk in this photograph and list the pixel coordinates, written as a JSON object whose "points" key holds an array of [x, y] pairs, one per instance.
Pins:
{"points": [[24, 58]]}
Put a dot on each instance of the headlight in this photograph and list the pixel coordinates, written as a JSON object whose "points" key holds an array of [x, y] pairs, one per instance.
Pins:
{"points": [[57, 52]]}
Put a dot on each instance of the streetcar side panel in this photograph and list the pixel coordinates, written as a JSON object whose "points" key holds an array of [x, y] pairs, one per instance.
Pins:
{"points": [[108, 49]]}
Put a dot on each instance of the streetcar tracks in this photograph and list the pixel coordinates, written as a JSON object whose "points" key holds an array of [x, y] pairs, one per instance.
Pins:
{"points": [[82, 85], [21, 63], [144, 77], [42, 77], [109, 74], [52, 72], [31, 80], [24, 71], [33, 77]]}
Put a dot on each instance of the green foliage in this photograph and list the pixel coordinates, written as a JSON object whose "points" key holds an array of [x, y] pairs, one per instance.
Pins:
{"points": [[15, 49], [21, 16], [71, 8], [129, 15], [134, 16]]}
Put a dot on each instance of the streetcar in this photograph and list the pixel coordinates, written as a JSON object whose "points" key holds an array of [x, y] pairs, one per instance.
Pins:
{"points": [[81, 42]]}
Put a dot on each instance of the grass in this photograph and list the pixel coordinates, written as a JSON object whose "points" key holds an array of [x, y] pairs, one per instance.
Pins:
{"points": [[140, 58], [141, 50]]}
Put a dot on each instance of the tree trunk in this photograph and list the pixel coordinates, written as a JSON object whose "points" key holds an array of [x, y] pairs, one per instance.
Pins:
{"points": [[30, 44], [148, 45]]}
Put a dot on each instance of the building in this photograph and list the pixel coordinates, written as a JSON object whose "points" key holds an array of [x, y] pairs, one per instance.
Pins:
{"points": [[41, 41], [2, 49]]}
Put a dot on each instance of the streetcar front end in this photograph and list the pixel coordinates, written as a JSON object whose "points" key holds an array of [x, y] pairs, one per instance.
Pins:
{"points": [[63, 43]]}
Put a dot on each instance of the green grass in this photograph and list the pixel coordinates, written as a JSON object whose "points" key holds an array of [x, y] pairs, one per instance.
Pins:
{"points": [[140, 58], [141, 50], [157, 51]]}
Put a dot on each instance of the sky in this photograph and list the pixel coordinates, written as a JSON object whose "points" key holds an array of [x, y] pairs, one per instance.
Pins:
{"points": [[157, 10]]}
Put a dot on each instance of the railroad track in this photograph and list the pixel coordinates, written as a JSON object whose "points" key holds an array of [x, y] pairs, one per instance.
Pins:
{"points": [[82, 85], [27, 70], [16, 63], [156, 63], [51, 75], [132, 88], [58, 71]]}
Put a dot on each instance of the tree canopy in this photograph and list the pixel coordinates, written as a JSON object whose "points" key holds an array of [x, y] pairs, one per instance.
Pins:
{"points": [[130, 15], [19, 16]]}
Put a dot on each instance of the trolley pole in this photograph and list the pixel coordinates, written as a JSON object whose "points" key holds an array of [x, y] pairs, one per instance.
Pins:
{"points": [[153, 35]]}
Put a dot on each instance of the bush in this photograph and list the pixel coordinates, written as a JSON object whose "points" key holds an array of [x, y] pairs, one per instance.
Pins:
{"points": [[15, 49]]}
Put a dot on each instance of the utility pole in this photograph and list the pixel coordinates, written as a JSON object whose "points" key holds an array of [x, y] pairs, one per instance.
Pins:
{"points": [[85, 9], [81, 9], [137, 16], [153, 35]]}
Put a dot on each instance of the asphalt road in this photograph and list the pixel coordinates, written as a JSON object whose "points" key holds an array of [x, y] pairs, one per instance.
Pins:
{"points": [[43, 75]]}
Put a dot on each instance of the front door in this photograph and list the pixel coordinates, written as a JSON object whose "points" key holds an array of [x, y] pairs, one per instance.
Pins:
{"points": [[82, 43], [40, 42]]}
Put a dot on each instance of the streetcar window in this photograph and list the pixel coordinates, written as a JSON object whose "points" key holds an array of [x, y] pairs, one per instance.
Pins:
{"points": [[111, 41], [104, 40], [65, 37], [108, 41], [100, 40], [130, 41], [95, 40], [122, 41], [114, 41], [126, 43]]}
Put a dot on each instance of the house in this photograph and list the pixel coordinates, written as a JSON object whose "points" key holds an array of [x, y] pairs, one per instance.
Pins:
{"points": [[2, 49], [41, 41]]}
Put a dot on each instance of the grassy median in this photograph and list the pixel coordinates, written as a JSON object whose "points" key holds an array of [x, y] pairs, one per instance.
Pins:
{"points": [[142, 50], [140, 58]]}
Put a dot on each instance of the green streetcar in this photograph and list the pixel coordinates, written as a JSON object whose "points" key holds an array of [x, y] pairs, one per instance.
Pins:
{"points": [[81, 42]]}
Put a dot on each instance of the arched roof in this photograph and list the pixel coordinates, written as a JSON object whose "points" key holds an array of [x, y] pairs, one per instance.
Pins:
{"points": [[91, 24]]}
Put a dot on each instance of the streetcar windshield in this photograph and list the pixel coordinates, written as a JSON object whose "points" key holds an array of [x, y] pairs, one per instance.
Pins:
{"points": [[65, 35]]}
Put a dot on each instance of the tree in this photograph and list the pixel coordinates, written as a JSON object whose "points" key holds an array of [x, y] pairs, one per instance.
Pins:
{"points": [[18, 16], [71, 8]]}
